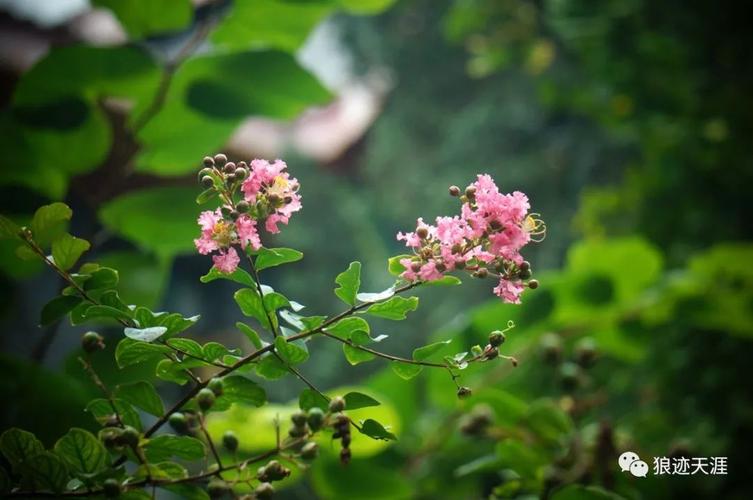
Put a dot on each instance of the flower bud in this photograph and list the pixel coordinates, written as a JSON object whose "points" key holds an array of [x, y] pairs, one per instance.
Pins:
{"points": [[297, 432], [415, 267], [230, 178], [92, 341], [130, 436], [460, 264], [524, 266], [422, 232], [439, 266], [242, 164], [220, 160], [264, 491], [229, 167], [337, 404], [524, 274], [287, 200], [225, 210], [569, 376], [464, 392], [345, 440], [470, 192], [230, 441], [217, 488], [345, 456], [275, 471], [234, 214], [551, 347], [205, 398], [533, 284], [315, 418], [457, 248], [111, 488], [208, 161], [454, 191], [110, 437], [274, 199], [215, 385], [298, 418], [240, 173], [585, 352], [495, 225], [242, 207], [496, 338], [491, 352], [204, 172], [207, 181], [178, 422], [309, 451], [481, 273]]}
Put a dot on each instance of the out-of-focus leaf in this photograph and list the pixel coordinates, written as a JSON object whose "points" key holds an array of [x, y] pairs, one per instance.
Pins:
{"points": [[19, 446], [132, 217], [82, 452], [104, 277], [579, 492], [143, 395], [365, 480], [271, 368], [309, 399], [45, 471], [427, 351], [142, 18], [57, 308], [405, 371]]}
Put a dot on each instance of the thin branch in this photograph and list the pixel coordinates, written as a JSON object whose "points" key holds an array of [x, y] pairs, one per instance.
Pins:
{"points": [[385, 355], [212, 447]]}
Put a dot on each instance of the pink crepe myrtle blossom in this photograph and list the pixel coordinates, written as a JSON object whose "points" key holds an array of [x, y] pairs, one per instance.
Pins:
{"points": [[485, 239], [271, 189], [226, 261]]}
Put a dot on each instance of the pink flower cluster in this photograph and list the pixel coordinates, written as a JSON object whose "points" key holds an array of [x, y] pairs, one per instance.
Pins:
{"points": [[485, 239], [269, 194]]}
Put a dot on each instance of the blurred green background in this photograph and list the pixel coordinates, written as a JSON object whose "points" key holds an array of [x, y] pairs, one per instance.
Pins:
{"points": [[627, 122]]}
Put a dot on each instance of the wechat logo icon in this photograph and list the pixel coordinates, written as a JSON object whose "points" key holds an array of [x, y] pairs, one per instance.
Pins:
{"points": [[631, 462]]}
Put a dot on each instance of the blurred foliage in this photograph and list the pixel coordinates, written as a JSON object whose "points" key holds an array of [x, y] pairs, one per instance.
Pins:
{"points": [[626, 121]]}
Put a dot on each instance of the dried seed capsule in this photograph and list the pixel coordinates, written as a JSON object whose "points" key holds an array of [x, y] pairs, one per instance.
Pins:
{"points": [[229, 167], [470, 192], [240, 173]]}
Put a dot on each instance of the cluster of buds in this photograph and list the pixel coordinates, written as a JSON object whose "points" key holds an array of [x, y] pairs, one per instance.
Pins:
{"points": [[259, 193], [185, 423], [571, 371], [341, 426], [117, 438], [484, 240], [273, 471]]}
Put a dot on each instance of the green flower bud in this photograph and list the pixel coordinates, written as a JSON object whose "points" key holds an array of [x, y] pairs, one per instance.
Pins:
{"points": [[533, 284], [240, 173], [264, 491], [207, 181], [204, 172], [217, 488], [229, 167], [220, 160], [208, 161], [470, 192], [274, 199], [315, 419], [524, 274], [309, 451], [230, 441], [569, 375], [585, 352], [464, 392], [178, 422], [454, 191], [130, 436], [298, 418], [111, 488], [230, 178], [297, 432], [110, 437], [242, 164], [216, 386], [496, 338], [205, 398], [242, 207], [92, 341], [234, 214], [275, 471], [440, 266], [337, 404]]}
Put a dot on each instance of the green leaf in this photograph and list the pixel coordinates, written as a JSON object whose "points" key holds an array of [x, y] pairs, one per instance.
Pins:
{"points": [[100, 311], [130, 352], [274, 301], [238, 276], [44, 471], [394, 266], [309, 399], [346, 326], [162, 448], [376, 297], [365, 6], [187, 491], [57, 308], [271, 368], [290, 352], [237, 389], [427, 351], [349, 281], [67, 249], [102, 411], [9, 229], [375, 430], [145, 334], [104, 277], [82, 452], [357, 400], [395, 308], [356, 356], [405, 371], [132, 216], [50, 222], [445, 281], [206, 195], [175, 371], [215, 350], [18, 446], [143, 395], [251, 305], [186, 345], [142, 18], [250, 333], [271, 257]]}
